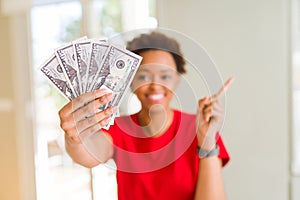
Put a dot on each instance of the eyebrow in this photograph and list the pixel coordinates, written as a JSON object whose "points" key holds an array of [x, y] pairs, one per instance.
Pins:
{"points": [[162, 70], [145, 70]]}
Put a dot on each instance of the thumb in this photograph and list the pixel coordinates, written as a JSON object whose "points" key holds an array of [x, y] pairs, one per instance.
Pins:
{"points": [[201, 103]]}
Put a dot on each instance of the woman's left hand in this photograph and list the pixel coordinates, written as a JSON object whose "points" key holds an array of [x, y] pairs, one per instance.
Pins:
{"points": [[210, 117]]}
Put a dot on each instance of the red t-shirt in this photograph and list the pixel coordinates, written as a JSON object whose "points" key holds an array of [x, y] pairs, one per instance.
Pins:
{"points": [[164, 167]]}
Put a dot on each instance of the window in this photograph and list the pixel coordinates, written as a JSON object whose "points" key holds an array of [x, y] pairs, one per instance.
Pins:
{"points": [[54, 23]]}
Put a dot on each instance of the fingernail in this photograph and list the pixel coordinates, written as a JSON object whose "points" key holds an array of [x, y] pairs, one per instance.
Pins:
{"points": [[107, 120], [110, 110], [207, 119], [109, 96], [106, 98], [100, 92], [114, 108]]}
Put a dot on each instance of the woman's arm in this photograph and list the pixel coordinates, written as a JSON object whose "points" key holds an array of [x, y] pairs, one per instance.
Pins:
{"points": [[210, 182], [81, 154], [82, 123], [210, 118]]}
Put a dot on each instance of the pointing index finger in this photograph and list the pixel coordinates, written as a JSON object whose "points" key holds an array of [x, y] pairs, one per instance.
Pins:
{"points": [[225, 87]]}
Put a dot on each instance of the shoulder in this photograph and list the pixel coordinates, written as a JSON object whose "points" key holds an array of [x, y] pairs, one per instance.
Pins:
{"points": [[184, 120], [126, 118], [184, 115], [123, 123]]}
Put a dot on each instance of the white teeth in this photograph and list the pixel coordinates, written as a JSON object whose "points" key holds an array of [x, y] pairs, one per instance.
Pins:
{"points": [[156, 96]]}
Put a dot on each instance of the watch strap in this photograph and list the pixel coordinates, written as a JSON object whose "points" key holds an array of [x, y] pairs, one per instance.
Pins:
{"points": [[202, 153]]}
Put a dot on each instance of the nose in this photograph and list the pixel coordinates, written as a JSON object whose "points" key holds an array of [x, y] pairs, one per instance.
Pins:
{"points": [[155, 79], [155, 85]]}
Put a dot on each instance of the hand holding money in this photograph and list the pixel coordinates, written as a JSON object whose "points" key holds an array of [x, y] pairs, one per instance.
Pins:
{"points": [[84, 66], [81, 116]]}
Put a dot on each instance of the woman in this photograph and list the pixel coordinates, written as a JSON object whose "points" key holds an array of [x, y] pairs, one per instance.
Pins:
{"points": [[160, 153]]}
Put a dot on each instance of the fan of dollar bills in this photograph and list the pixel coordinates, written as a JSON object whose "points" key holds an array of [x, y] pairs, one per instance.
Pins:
{"points": [[85, 65]]}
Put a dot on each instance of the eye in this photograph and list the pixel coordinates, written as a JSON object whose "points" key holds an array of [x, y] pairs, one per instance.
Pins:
{"points": [[166, 77], [142, 77]]}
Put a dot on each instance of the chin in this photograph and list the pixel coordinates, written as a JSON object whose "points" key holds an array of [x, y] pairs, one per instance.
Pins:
{"points": [[153, 108]]}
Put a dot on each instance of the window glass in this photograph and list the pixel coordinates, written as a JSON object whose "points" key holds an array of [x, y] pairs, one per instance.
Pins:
{"points": [[57, 177], [54, 23]]}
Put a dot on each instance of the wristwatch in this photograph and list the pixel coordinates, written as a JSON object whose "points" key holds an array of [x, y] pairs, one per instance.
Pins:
{"points": [[202, 153]]}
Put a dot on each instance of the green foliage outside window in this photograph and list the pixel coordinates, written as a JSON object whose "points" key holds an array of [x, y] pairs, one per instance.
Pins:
{"points": [[109, 23]]}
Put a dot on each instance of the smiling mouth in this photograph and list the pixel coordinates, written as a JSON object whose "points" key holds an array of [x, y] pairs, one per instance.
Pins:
{"points": [[156, 97]]}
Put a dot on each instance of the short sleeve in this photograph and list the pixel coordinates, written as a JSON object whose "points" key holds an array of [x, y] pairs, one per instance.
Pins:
{"points": [[223, 154]]}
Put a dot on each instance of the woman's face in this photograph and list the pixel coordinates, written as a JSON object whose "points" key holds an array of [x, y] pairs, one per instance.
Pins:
{"points": [[156, 79]]}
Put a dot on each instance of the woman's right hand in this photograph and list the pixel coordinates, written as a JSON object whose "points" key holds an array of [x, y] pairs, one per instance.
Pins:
{"points": [[80, 117]]}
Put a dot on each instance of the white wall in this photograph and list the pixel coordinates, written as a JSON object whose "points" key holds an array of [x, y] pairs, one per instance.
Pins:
{"points": [[250, 40]]}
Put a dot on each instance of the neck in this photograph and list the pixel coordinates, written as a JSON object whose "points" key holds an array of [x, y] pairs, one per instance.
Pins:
{"points": [[155, 121]]}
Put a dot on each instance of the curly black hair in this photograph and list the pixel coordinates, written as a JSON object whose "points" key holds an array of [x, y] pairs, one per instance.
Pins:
{"points": [[158, 41]]}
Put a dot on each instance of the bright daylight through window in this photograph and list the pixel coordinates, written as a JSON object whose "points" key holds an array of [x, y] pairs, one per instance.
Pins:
{"points": [[55, 23]]}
